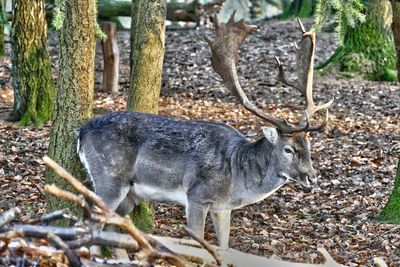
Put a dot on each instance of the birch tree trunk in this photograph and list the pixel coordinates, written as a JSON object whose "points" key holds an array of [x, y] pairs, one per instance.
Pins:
{"points": [[146, 61], [77, 39], [33, 87]]}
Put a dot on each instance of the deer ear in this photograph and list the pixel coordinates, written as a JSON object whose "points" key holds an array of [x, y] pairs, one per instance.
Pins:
{"points": [[271, 134]]}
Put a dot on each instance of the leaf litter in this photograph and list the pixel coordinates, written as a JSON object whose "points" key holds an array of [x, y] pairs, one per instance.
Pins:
{"points": [[355, 156]]}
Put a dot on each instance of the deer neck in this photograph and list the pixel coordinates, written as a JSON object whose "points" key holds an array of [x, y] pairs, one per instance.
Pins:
{"points": [[254, 172]]}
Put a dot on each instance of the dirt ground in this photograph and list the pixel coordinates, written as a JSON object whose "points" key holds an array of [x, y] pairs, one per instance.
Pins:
{"points": [[356, 155]]}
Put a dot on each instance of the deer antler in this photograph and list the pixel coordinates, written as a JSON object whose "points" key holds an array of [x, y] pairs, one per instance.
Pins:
{"points": [[305, 73], [224, 51]]}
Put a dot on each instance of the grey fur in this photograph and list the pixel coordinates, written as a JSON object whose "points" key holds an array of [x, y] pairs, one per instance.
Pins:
{"points": [[213, 166]]}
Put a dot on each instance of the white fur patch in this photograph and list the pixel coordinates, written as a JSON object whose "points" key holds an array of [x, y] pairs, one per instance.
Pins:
{"points": [[86, 165], [159, 194]]}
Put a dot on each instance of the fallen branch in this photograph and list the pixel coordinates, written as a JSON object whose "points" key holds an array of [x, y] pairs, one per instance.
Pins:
{"points": [[73, 259], [9, 215], [205, 245], [110, 217]]}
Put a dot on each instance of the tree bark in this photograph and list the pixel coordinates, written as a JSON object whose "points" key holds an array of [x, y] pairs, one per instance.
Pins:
{"points": [[391, 212], [33, 88], [2, 21], [368, 49], [147, 54], [146, 60], [175, 11], [1, 39], [76, 48], [396, 32], [110, 57]]}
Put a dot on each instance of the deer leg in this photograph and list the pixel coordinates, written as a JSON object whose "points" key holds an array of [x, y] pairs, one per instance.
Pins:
{"points": [[222, 226], [124, 208], [113, 196], [196, 217]]}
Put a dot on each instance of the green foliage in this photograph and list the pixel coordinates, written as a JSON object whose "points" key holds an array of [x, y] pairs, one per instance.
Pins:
{"points": [[299, 9], [391, 212], [59, 14], [143, 216], [106, 252], [349, 13]]}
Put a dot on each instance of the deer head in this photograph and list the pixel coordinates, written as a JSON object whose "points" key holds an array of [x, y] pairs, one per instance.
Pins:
{"points": [[290, 142]]}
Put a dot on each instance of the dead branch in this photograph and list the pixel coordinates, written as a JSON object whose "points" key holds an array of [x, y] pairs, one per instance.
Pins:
{"points": [[205, 245], [110, 217], [9, 215], [71, 255], [51, 217]]}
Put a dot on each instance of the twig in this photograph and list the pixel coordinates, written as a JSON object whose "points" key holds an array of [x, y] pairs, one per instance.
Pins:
{"points": [[108, 263], [205, 245], [76, 236], [108, 216], [49, 217], [329, 261], [72, 257], [9, 215], [79, 200], [60, 171]]}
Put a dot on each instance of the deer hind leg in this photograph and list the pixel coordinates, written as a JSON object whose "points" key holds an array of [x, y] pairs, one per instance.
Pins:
{"points": [[113, 196], [124, 208], [222, 225], [196, 217]]}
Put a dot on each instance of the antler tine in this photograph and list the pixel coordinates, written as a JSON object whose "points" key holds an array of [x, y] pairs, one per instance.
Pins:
{"points": [[305, 71], [303, 30], [224, 49]]}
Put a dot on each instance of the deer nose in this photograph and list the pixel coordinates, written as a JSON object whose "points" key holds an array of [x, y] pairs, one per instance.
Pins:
{"points": [[312, 175]]}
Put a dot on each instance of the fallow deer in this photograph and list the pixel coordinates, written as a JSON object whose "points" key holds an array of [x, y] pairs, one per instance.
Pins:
{"points": [[205, 166]]}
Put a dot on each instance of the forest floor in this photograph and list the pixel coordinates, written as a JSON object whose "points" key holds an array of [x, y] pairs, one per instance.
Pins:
{"points": [[355, 156]]}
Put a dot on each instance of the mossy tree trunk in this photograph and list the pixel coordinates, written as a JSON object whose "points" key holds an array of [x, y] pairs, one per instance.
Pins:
{"points": [[2, 21], [1, 39], [146, 60], [300, 9], [76, 47], [396, 31], [391, 212], [368, 49], [33, 87]]}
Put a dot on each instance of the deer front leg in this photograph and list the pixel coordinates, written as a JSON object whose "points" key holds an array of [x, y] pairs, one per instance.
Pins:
{"points": [[196, 217], [222, 225]]}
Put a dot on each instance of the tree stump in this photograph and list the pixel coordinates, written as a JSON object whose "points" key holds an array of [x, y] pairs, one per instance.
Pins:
{"points": [[110, 57]]}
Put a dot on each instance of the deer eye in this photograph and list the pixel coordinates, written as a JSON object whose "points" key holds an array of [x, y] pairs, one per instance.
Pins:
{"points": [[288, 150]]}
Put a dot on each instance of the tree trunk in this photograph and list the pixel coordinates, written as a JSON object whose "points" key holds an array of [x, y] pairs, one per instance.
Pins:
{"points": [[1, 39], [76, 47], [33, 88], [391, 212], [300, 9], [368, 49], [396, 31], [110, 57], [146, 61], [2, 21], [175, 11]]}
